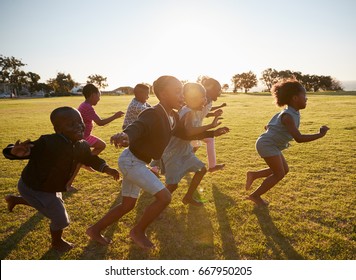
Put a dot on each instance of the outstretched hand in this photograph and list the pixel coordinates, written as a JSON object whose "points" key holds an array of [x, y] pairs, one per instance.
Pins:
{"points": [[112, 172], [221, 131], [216, 122], [119, 114], [323, 130], [120, 140], [22, 149], [218, 113]]}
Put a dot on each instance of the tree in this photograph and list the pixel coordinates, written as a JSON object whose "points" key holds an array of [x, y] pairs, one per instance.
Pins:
{"points": [[11, 74], [97, 80], [244, 81], [62, 84], [225, 87], [269, 77], [202, 78]]}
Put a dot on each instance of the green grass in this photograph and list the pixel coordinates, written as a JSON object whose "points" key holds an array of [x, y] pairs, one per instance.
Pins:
{"points": [[311, 213]]}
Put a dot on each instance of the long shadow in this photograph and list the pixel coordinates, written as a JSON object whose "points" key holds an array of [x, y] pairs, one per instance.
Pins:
{"points": [[10, 243], [276, 241], [222, 202], [96, 251]]}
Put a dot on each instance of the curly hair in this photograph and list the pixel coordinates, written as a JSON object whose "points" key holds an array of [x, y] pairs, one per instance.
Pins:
{"points": [[284, 90]]}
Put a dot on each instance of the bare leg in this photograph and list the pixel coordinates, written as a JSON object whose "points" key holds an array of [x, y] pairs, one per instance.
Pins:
{"points": [[99, 146], [172, 187], [94, 232], [253, 175], [152, 211], [13, 200], [188, 198], [279, 168], [58, 243]]}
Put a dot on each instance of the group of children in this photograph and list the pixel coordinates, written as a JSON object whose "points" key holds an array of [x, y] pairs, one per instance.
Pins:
{"points": [[168, 133]]}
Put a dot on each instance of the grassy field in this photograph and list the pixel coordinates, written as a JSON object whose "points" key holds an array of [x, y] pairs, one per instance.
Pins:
{"points": [[311, 213]]}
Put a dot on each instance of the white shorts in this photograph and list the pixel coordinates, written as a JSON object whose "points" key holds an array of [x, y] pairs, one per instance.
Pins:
{"points": [[137, 176]]}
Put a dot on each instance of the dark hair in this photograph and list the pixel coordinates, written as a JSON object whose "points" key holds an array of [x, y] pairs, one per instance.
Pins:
{"points": [[141, 88], [89, 89], [59, 113], [210, 83], [284, 90], [160, 84]]}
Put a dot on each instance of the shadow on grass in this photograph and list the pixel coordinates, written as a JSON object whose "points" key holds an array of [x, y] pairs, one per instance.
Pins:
{"points": [[11, 242], [96, 251], [222, 202], [276, 241]]}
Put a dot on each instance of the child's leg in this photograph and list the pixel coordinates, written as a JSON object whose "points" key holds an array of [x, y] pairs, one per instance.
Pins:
{"points": [[152, 211], [253, 175], [172, 187], [94, 232], [188, 198], [58, 243], [98, 146], [210, 151], [279, 168], [13, 200]]}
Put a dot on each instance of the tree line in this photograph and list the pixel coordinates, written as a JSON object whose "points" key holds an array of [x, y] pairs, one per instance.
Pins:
{"points": [[15, 79], [12, 76]]}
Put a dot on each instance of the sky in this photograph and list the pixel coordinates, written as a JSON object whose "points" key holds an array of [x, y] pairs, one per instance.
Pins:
{"points": [[130, 42]]}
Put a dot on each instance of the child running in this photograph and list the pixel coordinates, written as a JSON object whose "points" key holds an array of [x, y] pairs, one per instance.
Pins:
{"points": [[179, 158], [92, 97], [213, 91], [281, 129], [52, 160], [146, 138], [137, 104]]}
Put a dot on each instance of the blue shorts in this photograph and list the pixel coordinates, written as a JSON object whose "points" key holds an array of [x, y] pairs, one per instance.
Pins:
{"points": [[50, 204], [136, 176], [267, 148]]}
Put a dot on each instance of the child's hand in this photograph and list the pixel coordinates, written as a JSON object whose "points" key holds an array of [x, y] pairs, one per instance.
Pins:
{"points": [[120, 140], [221, 131], [119, 114], [223, 105], [323, 130], [216, 122], [218, 113], [112, 172], [22, 149]]}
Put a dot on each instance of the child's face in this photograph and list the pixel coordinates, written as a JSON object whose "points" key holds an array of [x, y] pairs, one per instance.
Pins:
{"points": [[196, 101], [173, 94], [301, 100], [142, 96], [72, 126], [214, 93], [94, 98]]}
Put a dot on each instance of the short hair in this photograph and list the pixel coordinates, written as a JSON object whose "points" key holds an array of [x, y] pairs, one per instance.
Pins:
{"points": [[59, 114], [141, 88], [161, 83], [284, 90], [210, 83], [89, 89], [191, 92]]}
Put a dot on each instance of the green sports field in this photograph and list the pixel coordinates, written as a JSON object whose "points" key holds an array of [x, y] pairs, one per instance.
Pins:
{"points": [[311, 213]]}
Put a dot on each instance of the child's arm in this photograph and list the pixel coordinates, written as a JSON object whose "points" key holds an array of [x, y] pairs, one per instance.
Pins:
{"points": [[218, 107], [216, 113], [112, 172], [288, 122], [102, 122], [20, 150], [191, 130]]}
